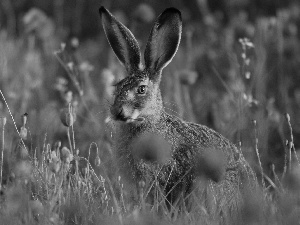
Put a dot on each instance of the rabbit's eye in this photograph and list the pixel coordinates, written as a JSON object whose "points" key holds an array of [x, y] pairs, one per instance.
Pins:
{"points": [[142, 89]]}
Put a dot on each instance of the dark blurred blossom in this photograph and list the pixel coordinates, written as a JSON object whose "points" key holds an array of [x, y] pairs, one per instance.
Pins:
{"points": [[151, 148], [210, 164], [33, 70], [37, 22], [16, 200], [22, 169], [292, 179], [188, 77], [36, 207], [144, 13], [252, 207]]}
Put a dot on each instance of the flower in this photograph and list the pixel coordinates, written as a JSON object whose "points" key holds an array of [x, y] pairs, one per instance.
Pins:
{"points": [[23, 133], [66, 155], [55, 163], [86, 67]]}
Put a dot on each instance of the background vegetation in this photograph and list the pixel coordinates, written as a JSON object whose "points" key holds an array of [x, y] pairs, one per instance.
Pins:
{"points": [[237, 70]]}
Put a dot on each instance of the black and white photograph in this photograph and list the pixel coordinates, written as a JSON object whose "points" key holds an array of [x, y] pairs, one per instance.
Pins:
{"points": [[149, 112]]}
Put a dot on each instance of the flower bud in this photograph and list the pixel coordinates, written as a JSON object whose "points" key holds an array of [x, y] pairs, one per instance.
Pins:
{"points": [[67, 117], [24, 119], [3, 121], [97, 161]]}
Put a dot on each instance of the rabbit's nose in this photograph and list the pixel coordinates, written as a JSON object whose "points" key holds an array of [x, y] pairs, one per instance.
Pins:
{"points": [[117, 113]]}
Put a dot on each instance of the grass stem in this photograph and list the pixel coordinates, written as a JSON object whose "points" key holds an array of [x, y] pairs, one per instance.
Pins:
{"points": [[2, 126]]}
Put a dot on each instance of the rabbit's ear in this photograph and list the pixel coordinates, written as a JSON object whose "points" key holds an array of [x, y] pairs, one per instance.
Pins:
{"points": [[121, 40], [164, 40]]}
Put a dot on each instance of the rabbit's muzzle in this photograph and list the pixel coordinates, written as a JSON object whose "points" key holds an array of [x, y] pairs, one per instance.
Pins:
{"points": [[117, 113], [125, 113]]}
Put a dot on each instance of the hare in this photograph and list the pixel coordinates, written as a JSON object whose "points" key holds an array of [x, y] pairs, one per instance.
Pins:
{"points": [[138, 111]]}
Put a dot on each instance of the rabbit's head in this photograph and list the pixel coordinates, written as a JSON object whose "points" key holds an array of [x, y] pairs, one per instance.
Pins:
{"points": [[137, 96]]}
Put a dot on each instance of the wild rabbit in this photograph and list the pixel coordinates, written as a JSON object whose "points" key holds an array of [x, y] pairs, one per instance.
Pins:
{"points": [[139, 116]]}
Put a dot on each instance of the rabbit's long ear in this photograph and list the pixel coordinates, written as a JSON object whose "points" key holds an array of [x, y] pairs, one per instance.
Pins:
{"points": [[164, 40], [121, 40]]}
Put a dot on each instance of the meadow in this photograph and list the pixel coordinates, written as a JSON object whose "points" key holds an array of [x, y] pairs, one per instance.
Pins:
{"points": [[240, 77]]}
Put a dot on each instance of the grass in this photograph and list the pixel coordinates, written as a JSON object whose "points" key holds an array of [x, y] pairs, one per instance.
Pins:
{"points": [[57, 162]]}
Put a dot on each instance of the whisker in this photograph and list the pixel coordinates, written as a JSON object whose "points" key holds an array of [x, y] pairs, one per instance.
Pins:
{"points": [[174, 111], [170, 103]]}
